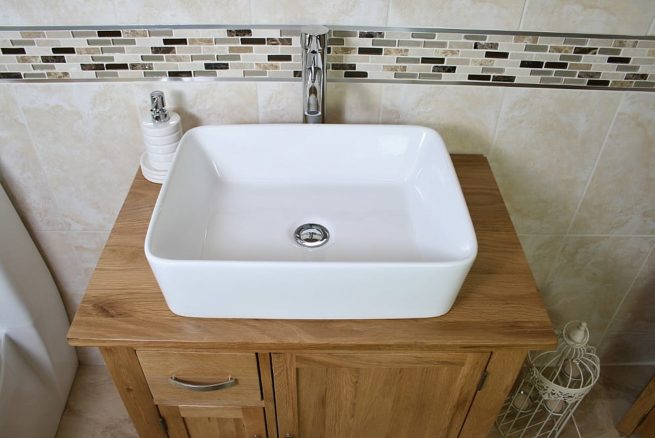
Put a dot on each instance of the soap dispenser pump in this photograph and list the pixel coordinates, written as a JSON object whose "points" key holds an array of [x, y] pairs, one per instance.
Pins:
{"points": [[162, 131], [158, 110]]}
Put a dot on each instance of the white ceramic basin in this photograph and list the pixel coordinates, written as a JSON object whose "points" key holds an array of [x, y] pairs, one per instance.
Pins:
{"points": [[221, 239]]}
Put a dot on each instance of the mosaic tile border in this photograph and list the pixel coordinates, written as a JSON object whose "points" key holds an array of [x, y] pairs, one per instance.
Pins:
{"points": [[371, 55]]}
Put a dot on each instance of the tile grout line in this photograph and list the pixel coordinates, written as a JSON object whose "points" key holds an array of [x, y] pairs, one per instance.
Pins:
{"points": [[595, 166], [389, 2], [39, 159], [523, 14], [383, 88], [494, 136], [625, 294], [567, 234]]}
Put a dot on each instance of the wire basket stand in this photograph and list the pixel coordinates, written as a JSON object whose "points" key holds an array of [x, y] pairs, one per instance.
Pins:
{"points": [[551, 386]]}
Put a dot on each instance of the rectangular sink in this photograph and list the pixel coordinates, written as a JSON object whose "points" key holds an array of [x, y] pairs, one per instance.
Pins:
{"points": [[386, 230]]}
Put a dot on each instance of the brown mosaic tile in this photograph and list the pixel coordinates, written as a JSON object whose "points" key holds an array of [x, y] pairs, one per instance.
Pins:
{"points": [[27, 59], [135, 33], [278, 41], [140, 66], [396, 51], [58, 75], [162, 50], [240, 49], [560, 49], [485, 46], [394, 68], [239, 32], [88, 50], [32, 34], [532, 39], [344, 50]]}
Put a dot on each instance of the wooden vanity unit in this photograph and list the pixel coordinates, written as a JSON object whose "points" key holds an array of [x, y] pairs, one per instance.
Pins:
{"points": [[434, 377]]}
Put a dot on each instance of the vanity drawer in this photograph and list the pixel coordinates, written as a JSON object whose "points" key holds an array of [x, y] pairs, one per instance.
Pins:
{"points": [[201, 378]]}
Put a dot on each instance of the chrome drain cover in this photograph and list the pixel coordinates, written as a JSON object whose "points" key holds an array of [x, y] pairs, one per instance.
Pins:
{"points": [[311, 235]]}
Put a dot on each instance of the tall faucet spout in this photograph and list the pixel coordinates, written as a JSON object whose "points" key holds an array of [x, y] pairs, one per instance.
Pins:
{"points": [[314, 43]]}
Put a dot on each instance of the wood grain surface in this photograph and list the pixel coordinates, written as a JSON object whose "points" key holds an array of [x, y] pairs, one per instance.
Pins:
{"points": [[497, 307]]}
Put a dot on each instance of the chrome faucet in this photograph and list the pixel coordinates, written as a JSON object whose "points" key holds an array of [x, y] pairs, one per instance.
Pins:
{"points": [[314, 42]]}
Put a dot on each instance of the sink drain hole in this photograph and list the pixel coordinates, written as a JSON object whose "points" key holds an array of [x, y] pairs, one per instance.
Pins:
{"points": [[311, 235]]}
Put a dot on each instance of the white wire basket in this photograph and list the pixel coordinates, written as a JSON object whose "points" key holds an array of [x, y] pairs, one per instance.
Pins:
{"points": [[551, 386]]}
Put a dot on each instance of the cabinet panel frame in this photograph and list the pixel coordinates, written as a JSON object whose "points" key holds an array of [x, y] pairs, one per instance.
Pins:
{"points": [[285, 366]]}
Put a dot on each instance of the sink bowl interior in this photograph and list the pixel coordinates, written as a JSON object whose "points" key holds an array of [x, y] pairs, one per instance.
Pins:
{"points": [[381, 195]]}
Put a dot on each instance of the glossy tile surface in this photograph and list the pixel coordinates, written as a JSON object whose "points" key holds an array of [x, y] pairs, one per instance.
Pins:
{"points": [[91, 147], [591, 277], [471, 14], [464, 116], [621, 195], [541, 250], [21, 171], [353, 103], [182, 12], [631, 336], [546, 144], [593, 16], [300, 12]]}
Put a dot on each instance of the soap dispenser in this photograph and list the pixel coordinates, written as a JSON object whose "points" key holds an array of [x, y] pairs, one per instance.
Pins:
{"points": [[162, 131]]}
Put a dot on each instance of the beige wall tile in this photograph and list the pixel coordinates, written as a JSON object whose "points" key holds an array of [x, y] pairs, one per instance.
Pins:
{"points": [[632, 17], [279, 102], [204, 103], [467, 14], [464, 116], [591, 277], [541, 251], [547, 142], [88, 140], [21, 172], [183, 12], [56, 12], [336, 12], [353, 103], [621, 195], [631, 336], [57, 250], [88, 245]]}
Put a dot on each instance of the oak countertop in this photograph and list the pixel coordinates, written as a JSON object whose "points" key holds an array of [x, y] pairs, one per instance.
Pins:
{"points": [[498, 306]]}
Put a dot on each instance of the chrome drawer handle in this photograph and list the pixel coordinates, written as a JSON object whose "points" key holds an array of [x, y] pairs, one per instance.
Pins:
{"points": [[230, 382]]}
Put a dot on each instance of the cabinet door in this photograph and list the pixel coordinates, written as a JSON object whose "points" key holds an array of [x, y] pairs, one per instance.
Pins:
{"points": [[214, 422], [360, 395]]}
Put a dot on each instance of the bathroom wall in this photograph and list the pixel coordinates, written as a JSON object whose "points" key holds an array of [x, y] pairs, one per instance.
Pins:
{"points": [[575, 166]]}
